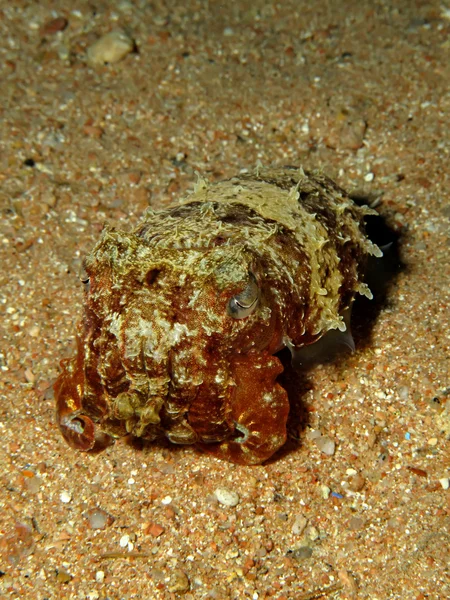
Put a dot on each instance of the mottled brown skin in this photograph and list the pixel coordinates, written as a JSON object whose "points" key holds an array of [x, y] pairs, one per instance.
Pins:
{"points": [[183, 316]]}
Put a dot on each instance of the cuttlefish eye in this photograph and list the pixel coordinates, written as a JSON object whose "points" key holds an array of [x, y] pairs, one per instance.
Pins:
{"points": [[245, 303], [84, 278]]}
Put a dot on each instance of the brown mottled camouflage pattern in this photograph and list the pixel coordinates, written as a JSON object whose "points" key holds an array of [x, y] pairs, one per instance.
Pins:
{"points": [[159, 353]]}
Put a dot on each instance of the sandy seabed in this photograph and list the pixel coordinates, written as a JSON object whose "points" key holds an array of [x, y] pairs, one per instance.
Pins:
{"points": [[358, 89]]}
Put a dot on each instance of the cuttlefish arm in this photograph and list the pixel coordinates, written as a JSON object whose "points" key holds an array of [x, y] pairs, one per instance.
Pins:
{"points": [[257, 411], [79, 430]]}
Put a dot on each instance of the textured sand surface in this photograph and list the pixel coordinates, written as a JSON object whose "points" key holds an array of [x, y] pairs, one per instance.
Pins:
{"points": [[358, 89]]}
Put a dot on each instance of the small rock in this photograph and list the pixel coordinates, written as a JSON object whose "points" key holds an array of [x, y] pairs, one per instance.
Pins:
{"points": [[302, 553], [325, 445], [299, 524], [53, 26], [29, 376], [348, 131], [312, 533], [352, 134], [63, 576], [325, 492], [98, 518], [227, 497], [110, 48], [33, 484], [231, 553], [445, 482], [356, 523], [178, 582], [357, 482], [100, 576], [65, 497], [313, 434], [34, 331], [93, 131], [133, 177], [154, 529]]}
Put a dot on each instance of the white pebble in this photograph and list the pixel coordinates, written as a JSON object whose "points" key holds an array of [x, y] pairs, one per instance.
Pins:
{"points": [[110, 48], [227, 497], [326, 445], [299, 524], [445, 482], [325, 491], [98, 518], [65, 497], [166, 500], [100, 576], [313, 434], [369, 177], [312, 533], [124, 541]]}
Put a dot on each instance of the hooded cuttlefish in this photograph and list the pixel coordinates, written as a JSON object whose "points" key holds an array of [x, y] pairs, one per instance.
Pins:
{"points": [[184, 316]]}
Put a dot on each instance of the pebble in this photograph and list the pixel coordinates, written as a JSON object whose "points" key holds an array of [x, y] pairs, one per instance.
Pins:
{"points": [[356, 523], [98, 518], [100, 576], [63, 576], [65, 497], [302, 553], [110, 48], [314, 434], [312, 533], [227, 497], [154, 529], [445, 482], [178, 582], [34, 331], [325, 491], [33, 484], [29, 376], [53, 26], [232, 553], [352, 134], [325, 445], [299, 524], [348, 131], [357, 482]]}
